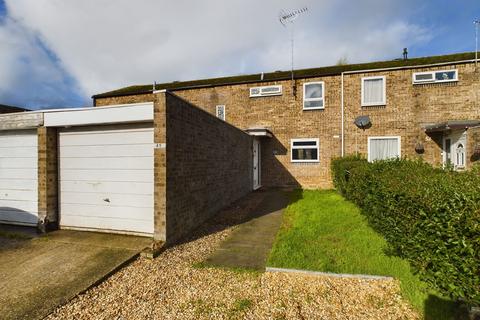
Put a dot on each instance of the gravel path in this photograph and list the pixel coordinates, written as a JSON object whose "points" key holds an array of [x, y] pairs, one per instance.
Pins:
{"points": [[171, 287]]}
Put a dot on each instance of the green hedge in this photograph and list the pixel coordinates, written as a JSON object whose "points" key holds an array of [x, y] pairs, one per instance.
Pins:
{"points": [[428, 215]]}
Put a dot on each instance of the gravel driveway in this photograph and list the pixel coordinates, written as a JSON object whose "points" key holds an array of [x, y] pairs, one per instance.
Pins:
{"points": [[173, 286]]}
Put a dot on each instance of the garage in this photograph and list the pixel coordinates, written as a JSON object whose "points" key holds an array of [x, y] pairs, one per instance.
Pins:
{"points": [[106, 178], [18, 177]]}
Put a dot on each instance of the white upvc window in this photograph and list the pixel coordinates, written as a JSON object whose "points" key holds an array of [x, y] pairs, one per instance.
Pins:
{"points": [[383, 148], [374, 91], [304, 150], [313, 95], [435, 76], [220, 112]]}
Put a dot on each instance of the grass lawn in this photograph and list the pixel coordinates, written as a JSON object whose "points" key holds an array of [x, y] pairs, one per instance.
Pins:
{"points": [[322, 231]]}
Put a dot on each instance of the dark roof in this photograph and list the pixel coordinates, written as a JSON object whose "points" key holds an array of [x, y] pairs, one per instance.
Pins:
{"points": [[285, 75], [10, 109]]}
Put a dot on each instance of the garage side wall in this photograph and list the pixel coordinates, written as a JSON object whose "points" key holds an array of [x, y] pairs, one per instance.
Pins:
{"points": [[209, 165], [160, 167]]}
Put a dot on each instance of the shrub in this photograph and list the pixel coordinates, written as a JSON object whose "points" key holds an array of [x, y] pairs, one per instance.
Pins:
{"points": [[429, 216]]}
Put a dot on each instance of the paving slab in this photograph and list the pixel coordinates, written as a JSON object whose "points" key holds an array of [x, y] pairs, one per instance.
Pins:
{"points": [[38, 274], [250, 243]]}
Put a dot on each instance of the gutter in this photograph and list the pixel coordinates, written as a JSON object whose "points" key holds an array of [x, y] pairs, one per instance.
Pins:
{"points": [[411, 67], [380, 70]]}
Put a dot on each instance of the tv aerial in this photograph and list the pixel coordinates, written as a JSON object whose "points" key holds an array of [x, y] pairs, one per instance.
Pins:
{"points": [[287, 18], [476, 23]]}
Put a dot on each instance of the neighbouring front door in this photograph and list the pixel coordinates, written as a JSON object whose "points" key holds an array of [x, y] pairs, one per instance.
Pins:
{"points": [[454, 150], [256, 164]]}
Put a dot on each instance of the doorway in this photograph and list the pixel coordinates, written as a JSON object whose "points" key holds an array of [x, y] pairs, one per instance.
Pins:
{"points": [[454, 150]]}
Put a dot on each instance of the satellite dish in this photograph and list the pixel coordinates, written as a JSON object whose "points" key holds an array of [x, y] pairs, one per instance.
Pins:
{"points": [[363, 122]]}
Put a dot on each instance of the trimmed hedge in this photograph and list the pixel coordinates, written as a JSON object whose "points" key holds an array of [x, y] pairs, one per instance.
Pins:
{"points": [[428, 215]]}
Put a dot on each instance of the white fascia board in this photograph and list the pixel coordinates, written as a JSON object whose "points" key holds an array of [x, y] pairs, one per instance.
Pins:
{"points": [[139, 112]]}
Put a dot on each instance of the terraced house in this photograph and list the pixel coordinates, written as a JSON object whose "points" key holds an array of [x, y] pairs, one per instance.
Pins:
{"points": [[423, 107], [159, 159]]}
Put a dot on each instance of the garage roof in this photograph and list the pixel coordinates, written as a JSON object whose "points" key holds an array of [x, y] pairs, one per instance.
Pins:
{"points": [[286, 75]]}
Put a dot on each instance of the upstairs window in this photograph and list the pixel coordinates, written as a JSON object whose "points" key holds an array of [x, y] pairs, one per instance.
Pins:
{"points": [[383, 148], [220, 111], [265, 91], [313, 95], [304, 150], [435, 76], [373, 91]]}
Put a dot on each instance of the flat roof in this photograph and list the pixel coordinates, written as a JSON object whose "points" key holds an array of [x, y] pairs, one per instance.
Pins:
{"points": [[286, 75], [451, 125]]}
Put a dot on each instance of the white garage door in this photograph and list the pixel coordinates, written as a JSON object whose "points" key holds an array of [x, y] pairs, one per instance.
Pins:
{"points": [[18, 177], [106, 178]]}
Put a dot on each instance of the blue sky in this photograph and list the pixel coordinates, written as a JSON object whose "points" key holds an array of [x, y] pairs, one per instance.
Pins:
{"points": [[59, 53]]}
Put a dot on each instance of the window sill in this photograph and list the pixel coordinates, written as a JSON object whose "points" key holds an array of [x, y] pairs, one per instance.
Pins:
{"points": [[435, 82], [304, 161], [374, 105], [316, 108]]}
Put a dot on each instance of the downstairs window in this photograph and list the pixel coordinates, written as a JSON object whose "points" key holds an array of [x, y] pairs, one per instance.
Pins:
{"points": [[304, 150], [383, 148]]}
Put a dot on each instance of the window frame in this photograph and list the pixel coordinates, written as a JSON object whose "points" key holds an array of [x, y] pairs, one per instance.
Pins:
{"points": [[317, 146], [305, 84], [384, 95], [399, 140], [434, 80], [279, 91], [217, 107]]}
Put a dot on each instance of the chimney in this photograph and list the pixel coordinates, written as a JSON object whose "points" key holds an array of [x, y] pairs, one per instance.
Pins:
{"points": [[405, 54]]}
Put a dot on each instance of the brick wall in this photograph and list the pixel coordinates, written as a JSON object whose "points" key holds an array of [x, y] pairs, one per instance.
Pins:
{"points": [[209, 165], [285, 117], [473, 144], [124, 100], [409, 107], [47, 179], [160, 166]]}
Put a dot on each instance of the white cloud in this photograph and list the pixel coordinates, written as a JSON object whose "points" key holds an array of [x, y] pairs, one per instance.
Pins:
{"points": [[106, 44], [29, 71]]}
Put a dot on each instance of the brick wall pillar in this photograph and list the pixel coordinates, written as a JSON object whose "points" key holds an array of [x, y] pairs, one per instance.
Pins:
{"points": [[47, 179], [160, 166]]}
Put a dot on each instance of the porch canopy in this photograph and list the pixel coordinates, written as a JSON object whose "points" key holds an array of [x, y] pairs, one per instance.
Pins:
{"points": [[259, 132], [451, 125]]}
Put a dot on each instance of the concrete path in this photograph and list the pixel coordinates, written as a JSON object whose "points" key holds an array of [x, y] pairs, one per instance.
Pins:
{"points": [[38, 274], [249, 244]]}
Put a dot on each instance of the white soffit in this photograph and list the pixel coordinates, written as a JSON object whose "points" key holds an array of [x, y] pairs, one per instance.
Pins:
{"points": [[139, 112]]}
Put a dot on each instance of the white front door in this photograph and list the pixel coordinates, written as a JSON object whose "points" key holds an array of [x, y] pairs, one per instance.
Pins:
{"points": [[455, 150], [256, 164]]}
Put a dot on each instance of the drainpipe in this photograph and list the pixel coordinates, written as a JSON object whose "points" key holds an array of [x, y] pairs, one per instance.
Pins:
{"points": [[343, 119]]}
